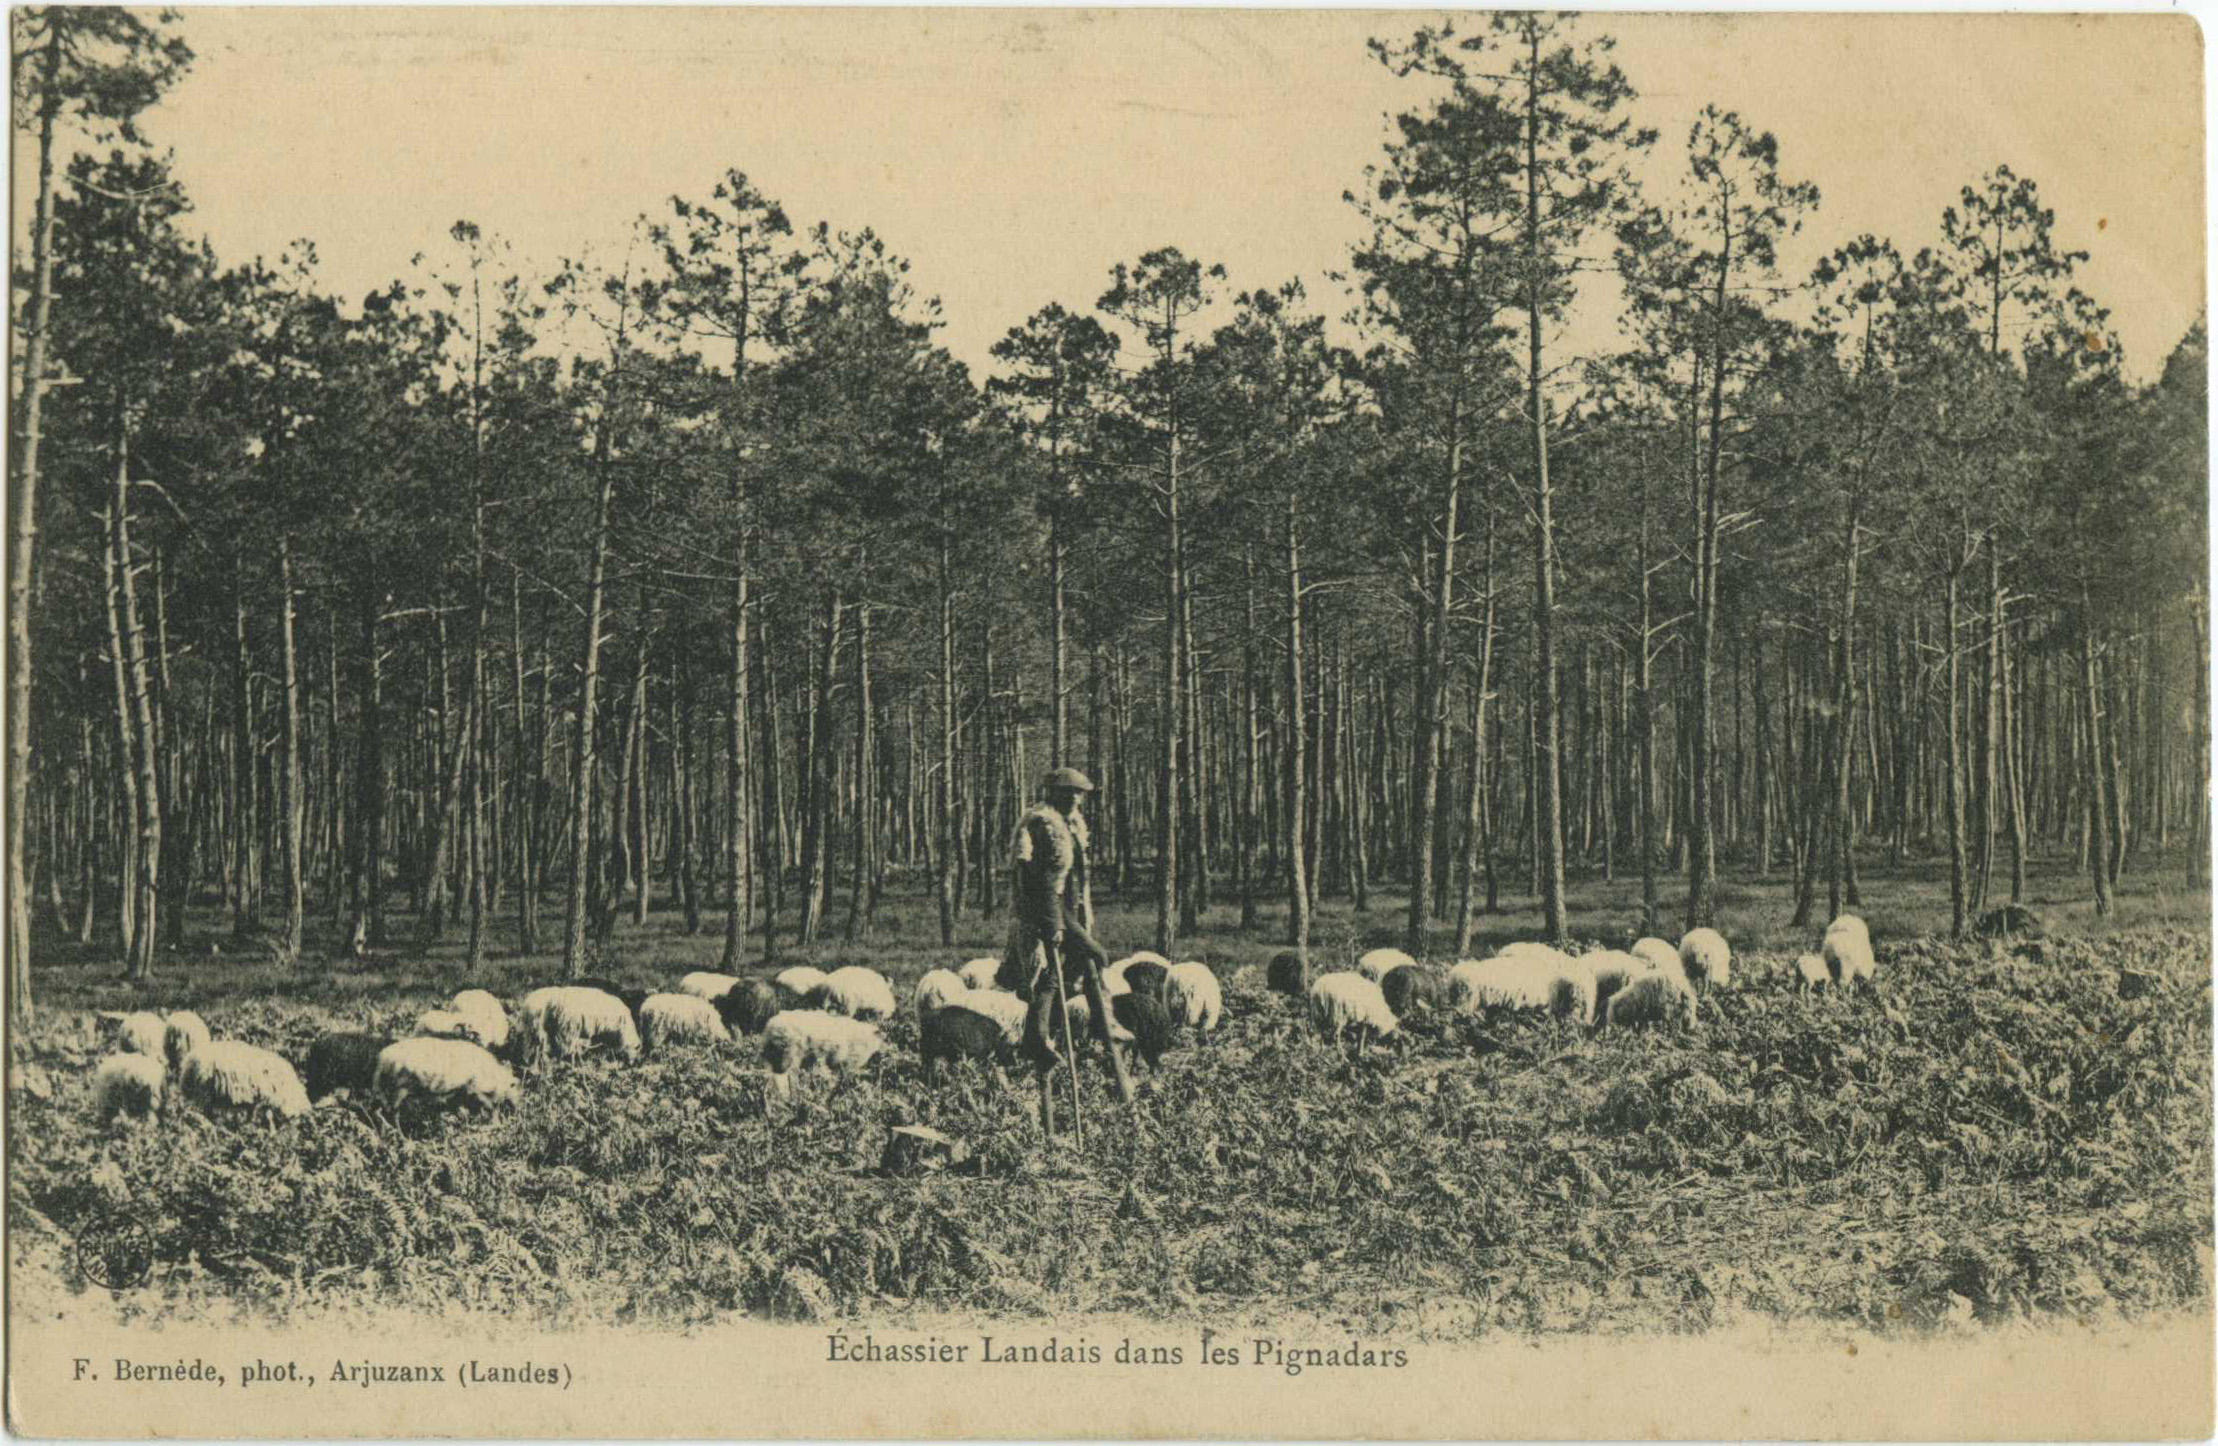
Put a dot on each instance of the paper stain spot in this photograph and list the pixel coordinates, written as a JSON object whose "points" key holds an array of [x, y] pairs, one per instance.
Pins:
{"points": [[2102, 223], [1852, 1348], [2094, 341]]}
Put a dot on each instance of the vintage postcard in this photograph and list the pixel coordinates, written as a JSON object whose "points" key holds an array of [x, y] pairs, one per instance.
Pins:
{"points": [[1044, 723]]}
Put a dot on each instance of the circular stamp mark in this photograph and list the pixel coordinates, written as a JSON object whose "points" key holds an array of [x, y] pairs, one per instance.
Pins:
{"points": [[115, 1250]]}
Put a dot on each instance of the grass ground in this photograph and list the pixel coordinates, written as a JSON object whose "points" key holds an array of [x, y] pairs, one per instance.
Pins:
{"points": [[1993, 1135]]}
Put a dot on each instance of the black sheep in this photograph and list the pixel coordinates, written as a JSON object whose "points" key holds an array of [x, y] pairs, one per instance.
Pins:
{"points": [[1288, 975], [1146, 977], [343, 1062], [1415, 988], [747, 1006], [956, 1032], [2009, 921], [1149, 1020]]}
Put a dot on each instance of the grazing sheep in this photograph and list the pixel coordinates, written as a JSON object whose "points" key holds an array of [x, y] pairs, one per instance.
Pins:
{"points": [[1613, 969], [1571, 993], [346, 1061], [1416, 989], [451, 1024], [1654, 998], [489, 1014], [141, 1030], [2009, 921], [1847, 951], [1657, 954], [127, 1084], [798, 983], [1002, 1007], [567, 1019], [956, 1032], [1812, 971], [1288, 975], [979, 973], [747, 1006], [228, 1074], [631, 996], [856, 992], [1149, 1020], [1503, 982], [1378, 963], [1339, 1003], [1706, 958], [1143, 976], [667, 1019], [445, 1072], [936, 990], [798, 1037], [703, 984], [1191, 994], [1082, 1021], [184, 1033]]}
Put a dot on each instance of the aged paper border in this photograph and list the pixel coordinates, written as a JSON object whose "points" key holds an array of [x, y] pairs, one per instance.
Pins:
{"points": [[2150, 1379]]}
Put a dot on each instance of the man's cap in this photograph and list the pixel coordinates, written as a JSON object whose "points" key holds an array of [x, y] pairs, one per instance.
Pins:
{"points": [[1071, 779]]}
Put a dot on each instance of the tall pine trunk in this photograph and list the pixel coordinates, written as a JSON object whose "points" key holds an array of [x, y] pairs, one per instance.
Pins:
{"points": [[289, 800]]}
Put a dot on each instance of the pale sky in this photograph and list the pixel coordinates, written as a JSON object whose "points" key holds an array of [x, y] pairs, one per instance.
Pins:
{"points": [[1015, 155]]}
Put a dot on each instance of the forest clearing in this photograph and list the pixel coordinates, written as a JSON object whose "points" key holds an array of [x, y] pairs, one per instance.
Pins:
{"points": [[1995, 1133], [1555, 568]]}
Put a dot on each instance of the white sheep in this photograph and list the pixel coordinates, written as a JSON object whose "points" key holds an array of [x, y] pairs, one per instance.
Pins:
{"points": [[795, 1038], [856, 992], [1812, 971], [184, 1033], [938, 989], [1655, 997], [142, 1030], [1191, 994], [1502, 982], [451, 1024], [1706, 958], [1847, 951], [666, 1019], [1657, 954], [1613, 969], [565, 1019], [1571, 992], [1347, 1001], [1143, 956], [1535, 951], [488, 1016], [128, 1084], [798, 982], [1002, 1007], [1082, 1020], [444, 1071], [230, 1074], [1376, 964], [706, 984], [980, 973]]}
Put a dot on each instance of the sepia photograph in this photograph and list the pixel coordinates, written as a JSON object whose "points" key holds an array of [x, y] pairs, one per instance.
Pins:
{"points": [[1153, 723]]}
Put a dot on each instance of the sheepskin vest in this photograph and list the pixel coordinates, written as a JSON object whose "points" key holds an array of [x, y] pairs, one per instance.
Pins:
{"points": [[1048, 870]]}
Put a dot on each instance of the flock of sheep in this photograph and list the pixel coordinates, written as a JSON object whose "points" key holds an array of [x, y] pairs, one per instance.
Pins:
{"points": [[1651, 982], [467, 1053]]}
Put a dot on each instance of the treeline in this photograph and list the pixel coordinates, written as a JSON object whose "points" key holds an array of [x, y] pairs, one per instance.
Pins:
{"points": [[703, 578]]}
